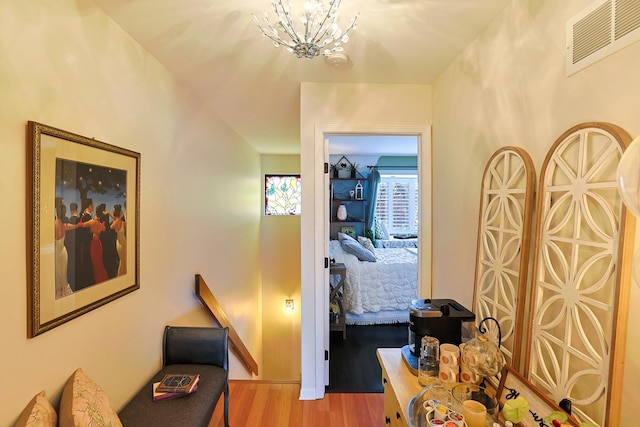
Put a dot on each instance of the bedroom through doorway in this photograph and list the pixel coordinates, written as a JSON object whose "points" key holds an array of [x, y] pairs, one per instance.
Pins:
{"points": [[373, 230]]}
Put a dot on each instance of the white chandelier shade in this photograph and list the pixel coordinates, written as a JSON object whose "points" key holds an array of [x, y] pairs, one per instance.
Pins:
{"points": [[314, 32]]}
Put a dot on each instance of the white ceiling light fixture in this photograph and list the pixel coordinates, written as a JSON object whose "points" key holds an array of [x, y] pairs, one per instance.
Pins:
{"points": [[318, 33], [337, 59]]}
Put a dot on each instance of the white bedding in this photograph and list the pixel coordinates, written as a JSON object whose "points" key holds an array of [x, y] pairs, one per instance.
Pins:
{"points": [[388, 284]]}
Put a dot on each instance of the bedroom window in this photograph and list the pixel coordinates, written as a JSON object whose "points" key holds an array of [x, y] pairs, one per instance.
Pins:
{"points": [[282, 195], [397, 203]]}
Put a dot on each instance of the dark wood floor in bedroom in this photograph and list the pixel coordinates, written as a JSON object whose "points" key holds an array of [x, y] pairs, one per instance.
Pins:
{"points": [[353, 365]]}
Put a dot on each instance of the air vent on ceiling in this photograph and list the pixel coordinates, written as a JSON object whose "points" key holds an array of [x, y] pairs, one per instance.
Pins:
{"points": [[604, 27]]}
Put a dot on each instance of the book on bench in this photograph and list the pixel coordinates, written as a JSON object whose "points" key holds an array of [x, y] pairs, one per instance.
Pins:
{"points": [[158, 395], [178, 383]]}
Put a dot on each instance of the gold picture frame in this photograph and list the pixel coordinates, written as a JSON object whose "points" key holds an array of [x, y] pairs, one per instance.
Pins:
{"points": [[74, 263]]}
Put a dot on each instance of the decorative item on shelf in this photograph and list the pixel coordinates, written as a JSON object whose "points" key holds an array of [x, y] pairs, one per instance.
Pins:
{"points": [[318, 33], [349, 230], [342, 213], [359, 191], [352, 194], [334, 311], [353, 169], [334, 167], [343, 170]]}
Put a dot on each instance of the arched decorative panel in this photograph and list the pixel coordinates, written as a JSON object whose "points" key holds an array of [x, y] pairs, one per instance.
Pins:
{"points": [[502, 258], [578, 287]]}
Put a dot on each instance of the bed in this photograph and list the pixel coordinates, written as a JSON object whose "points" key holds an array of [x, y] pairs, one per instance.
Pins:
{"points": [[390, 283], [397, 242]]}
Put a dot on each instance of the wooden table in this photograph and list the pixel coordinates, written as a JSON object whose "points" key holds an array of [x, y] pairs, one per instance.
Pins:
{"points": [[399, 384]]}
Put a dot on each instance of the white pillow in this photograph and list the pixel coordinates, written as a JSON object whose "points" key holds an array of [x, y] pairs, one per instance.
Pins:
{"points": [[381, 230], [344, 236], [353, 247]]}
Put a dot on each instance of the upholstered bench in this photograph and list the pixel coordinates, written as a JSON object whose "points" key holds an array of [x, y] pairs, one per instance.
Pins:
{"points": [[186, 350]]}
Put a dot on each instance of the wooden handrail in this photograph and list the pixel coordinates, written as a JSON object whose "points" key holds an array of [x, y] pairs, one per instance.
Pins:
{"points": [[211, 304]]}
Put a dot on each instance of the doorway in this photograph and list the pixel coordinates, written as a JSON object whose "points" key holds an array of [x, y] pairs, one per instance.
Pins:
{"points": [[315, 333], [381, 215], [314, 327]]}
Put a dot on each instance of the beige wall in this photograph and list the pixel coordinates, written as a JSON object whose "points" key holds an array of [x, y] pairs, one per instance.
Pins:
{"points": [[354, 106], [280, 254], [509, 88], [65, 64]]}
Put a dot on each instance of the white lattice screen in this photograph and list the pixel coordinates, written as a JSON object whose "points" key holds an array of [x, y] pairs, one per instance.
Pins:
{"points": [[503, 245], [577, 281]]}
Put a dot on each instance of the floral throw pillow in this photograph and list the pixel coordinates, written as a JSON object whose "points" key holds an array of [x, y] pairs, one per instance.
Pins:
{"points": [[85, 404], [367, 243], [38, 413]]}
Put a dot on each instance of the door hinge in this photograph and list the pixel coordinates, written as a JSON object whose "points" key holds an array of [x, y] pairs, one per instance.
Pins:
{"points": [[326, 355], [326, 167], [326, 262]]}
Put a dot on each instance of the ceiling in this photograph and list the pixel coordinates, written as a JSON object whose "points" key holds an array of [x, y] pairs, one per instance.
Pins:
{"points": [[215, 47]]}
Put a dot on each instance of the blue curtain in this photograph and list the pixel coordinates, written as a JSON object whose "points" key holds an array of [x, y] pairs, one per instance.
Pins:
{"points": [[374, 180]]}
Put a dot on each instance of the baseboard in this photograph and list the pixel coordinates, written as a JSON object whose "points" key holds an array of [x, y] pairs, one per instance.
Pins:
{"points": [[308, 394], [265, 381]]}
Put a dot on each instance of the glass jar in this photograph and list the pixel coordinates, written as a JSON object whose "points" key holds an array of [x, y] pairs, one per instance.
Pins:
{"points": [[482, 356]]}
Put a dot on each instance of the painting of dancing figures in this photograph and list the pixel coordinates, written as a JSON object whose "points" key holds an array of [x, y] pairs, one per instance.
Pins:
{"points": [[90, 225], [83, 220]]}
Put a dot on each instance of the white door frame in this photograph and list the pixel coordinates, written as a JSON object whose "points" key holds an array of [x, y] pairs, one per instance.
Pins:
{"points": [[319, 294]]}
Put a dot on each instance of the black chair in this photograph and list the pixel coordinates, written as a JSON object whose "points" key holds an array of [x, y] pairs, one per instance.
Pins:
{"points": [[186, 350]]}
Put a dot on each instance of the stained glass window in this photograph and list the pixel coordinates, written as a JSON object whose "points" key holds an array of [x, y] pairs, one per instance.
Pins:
{"points": [[282, 195]]}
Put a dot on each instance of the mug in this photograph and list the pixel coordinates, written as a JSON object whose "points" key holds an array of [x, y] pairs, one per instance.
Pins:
{"points": [[468, 376], [449, 355], [449, 374]]}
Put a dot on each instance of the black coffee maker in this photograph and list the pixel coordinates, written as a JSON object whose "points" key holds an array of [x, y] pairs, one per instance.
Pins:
{"points": [[440, 318]]}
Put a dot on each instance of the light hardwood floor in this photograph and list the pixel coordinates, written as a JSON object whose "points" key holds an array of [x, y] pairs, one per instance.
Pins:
{"points": [[268, 404]]}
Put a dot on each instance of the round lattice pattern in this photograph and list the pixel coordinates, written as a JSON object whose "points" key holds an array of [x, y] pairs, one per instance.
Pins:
{"points": [[575, 284], [506, 184]]}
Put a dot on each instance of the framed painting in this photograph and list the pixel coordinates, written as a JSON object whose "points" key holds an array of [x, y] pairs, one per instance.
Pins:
{"points": [[83, 222], [349, 230]]}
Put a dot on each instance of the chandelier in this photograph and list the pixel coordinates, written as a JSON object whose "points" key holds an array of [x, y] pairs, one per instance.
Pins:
{"points": [[318, 31]]}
